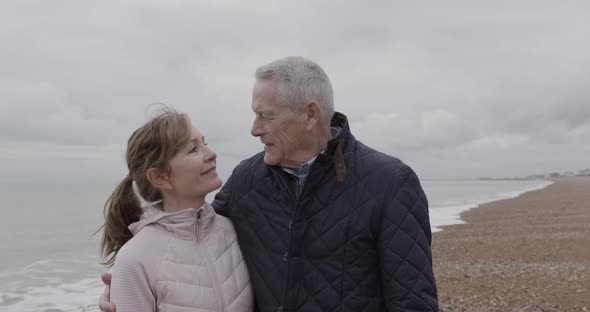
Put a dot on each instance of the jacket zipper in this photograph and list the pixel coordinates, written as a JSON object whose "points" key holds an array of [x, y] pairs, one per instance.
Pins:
{"points": [[296, 199], [198, 226], [210, 267]]}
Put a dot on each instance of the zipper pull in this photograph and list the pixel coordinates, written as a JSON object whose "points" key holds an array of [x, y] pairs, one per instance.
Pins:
{"points": [[198, 225]]}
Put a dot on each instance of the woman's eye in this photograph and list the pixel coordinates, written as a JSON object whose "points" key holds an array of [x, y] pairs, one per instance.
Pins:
{"points": [[194, 149]]}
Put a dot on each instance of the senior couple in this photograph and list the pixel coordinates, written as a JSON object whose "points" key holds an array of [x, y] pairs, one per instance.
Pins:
{"points": [[317, 221]]}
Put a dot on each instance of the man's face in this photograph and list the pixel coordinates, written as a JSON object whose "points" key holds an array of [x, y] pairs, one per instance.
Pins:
{"points": [[280, 128]]}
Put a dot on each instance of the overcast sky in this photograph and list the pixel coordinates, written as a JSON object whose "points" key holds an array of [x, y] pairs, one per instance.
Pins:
{"points": [[455, 88]]}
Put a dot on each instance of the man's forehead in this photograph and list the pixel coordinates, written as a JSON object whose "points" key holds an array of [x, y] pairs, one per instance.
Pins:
{"points": [[263, 105]]}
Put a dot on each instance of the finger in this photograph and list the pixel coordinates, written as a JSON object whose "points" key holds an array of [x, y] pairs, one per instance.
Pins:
{"points": [[104, 303], [106, 278], [107, 307]]}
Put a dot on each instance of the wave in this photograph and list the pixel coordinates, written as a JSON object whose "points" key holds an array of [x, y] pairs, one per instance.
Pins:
{"points": [[448, 212], [57, 285], [81, 295]]}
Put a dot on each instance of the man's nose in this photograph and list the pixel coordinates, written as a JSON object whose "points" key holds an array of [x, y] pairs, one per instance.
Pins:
{"points": [[256, 129]]}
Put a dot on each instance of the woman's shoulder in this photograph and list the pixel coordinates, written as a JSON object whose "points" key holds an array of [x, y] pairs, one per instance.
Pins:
{"points": [[224, 223], [145, 245], [224, 230]]}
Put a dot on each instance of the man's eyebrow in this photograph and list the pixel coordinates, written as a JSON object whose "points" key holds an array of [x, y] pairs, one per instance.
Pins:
{"points": [[266, 112]]}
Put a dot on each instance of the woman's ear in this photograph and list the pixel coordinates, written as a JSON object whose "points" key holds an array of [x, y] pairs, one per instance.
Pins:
{"points": [[158, 180]]}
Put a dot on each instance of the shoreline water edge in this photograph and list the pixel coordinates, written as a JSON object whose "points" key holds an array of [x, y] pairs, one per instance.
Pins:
{"points": [[445, 213]]}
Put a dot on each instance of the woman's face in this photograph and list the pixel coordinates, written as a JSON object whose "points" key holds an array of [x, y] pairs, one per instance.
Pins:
{"points": [[193, 169]]}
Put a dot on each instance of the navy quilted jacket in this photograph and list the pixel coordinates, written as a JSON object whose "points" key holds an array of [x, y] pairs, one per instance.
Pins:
{"points": [[357, 238]]}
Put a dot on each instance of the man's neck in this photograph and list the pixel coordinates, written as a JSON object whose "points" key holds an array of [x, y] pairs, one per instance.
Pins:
{"points": [[315, 149], [304, 158]]}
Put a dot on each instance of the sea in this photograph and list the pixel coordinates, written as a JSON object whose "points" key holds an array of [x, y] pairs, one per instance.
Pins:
{"points": [[49, 260]]}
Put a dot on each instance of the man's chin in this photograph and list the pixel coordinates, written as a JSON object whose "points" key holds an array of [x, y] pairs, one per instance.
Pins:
{"points": [[269, 160]]}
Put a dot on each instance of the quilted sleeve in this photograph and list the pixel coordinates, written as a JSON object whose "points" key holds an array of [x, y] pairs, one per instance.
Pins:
{"points": [[404, 247], [130, 289]]}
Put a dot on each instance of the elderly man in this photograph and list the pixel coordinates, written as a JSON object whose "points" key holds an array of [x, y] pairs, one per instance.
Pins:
{"points": [[325, 223]]}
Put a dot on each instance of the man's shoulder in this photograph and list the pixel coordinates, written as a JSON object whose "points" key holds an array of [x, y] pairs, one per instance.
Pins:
{"points": [[250, 170], [369, 159], [251, 165], [242, 178], [382, 173]]}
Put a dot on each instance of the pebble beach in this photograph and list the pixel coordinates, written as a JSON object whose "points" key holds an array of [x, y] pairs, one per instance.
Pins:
{"points": [[529, 253]]}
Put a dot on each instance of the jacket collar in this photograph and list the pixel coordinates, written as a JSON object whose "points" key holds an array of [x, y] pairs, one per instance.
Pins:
{"points": [[341, 121], [190, 223], [337, 144]]}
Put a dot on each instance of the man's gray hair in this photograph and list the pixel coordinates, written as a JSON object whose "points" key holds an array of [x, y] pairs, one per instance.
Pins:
{"points": [[299, 81]]}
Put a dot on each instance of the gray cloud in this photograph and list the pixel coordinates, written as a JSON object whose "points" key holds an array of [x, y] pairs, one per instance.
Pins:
{"points": [[456, 89]]}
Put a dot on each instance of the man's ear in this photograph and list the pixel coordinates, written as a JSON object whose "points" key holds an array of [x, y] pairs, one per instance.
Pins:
{"points": [[158, 180], [312, 114]]}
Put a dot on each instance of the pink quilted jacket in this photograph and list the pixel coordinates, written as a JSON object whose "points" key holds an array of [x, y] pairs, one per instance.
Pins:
{"points": [[182, 261]]}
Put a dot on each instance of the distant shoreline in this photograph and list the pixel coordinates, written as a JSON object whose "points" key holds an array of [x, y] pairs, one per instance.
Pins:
{"points": [[441, 216]]}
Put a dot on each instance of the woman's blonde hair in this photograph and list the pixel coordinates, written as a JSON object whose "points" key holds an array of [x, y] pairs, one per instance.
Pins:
{"points": [[150, 146]]}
